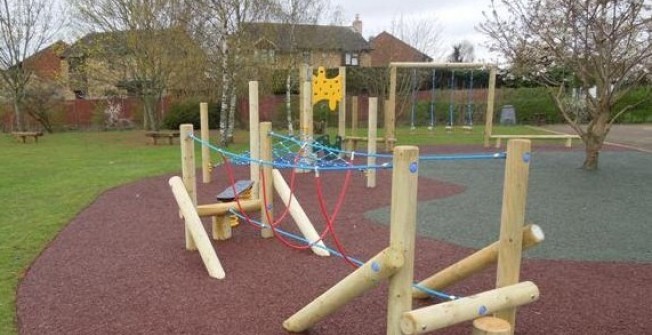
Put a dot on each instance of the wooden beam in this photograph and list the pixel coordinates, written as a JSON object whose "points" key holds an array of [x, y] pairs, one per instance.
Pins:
{"points": [[371, 144], [403, 217], [188, 172], [446, 314], [205, 150], [194, 226], [223, 208], [254, 138], [489, 115], [517, 170], [366, 277], [298, 214], [341, 126], [441, 65], [478, 261], [266, 189], [390, 117]]}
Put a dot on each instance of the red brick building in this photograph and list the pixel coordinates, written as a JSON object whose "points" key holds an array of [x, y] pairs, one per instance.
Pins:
{"points": [[387, 48]]}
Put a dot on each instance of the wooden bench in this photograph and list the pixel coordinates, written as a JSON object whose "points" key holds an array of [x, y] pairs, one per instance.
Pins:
{"points": [[568, 138], [155, 135], [351, 142], [23, 135]]}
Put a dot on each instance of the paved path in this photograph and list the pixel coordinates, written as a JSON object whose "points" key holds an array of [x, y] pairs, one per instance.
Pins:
{"points": [[636, 136]]}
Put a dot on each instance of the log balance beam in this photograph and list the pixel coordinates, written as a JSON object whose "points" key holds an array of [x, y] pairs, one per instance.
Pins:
{"points": [[446, 314], [396, 262], [568, 139], [24, 135], [478, 261], [194, 226]]}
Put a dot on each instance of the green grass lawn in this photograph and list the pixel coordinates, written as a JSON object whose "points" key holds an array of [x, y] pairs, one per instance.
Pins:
{"points": [[43, 186]]}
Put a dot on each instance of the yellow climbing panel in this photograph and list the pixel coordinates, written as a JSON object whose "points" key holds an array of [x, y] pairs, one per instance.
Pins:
{"points": [[326, 89]]}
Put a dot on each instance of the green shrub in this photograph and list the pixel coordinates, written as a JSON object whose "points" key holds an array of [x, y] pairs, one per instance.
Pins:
{"points": [[642, 112], [187, 111]]}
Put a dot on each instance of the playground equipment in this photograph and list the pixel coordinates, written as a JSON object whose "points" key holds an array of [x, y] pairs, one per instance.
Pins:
{"points": [[457, 103], [396, 262]]}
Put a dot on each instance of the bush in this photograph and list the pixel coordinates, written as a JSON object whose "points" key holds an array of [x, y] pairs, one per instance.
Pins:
{"points": [[187, 111], [642, 112]]}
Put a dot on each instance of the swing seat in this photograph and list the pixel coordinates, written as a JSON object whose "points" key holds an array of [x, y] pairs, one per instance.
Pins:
{"points": [[241, 186]]}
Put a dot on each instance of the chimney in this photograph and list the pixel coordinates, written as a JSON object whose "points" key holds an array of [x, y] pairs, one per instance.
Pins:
{"points": [[357, 24]]}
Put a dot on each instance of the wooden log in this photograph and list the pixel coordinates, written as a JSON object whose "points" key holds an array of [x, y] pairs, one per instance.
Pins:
{"points": [[489, 115], [254, 137], [354, 115], [517, 170], [446, 314], [371, 143], [266, 189], [205, 150], [476, 262], [196, 229], [188, 171], [221, 227], [298, 214], [341, 126], [403, 216], [366, 277], [390, 119], [431, 65], [223, 208], [488, 325]]}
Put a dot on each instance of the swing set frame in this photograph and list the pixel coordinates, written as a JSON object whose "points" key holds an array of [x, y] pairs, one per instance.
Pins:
{"points": [[391, 108]]}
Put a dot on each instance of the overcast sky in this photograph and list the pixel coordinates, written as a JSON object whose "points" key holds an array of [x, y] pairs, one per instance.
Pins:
{"points": [[458, 18]]}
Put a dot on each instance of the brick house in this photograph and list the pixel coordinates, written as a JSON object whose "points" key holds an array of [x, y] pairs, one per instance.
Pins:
{"points": [[319, 45], [387, 48]]}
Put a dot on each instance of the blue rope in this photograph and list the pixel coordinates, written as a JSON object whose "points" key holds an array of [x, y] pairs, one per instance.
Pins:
{"points": [[430, 292]]}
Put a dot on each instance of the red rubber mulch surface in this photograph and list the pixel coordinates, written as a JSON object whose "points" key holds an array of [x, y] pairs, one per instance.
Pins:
{"points": [[120, 267]]}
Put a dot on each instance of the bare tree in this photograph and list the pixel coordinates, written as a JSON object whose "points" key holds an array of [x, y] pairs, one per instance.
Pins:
{"points": [[564, 44], [26, 26], [463, 52], [219, 28], [422, 33], [293, 13], [140, 44]]}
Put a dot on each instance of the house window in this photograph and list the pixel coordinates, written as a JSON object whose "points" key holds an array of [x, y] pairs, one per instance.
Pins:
{"points": [[352, 58], [267, 56]]}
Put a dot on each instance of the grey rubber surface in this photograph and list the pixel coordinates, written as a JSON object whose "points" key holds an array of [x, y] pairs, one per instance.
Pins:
{"points": [[605, 215]]}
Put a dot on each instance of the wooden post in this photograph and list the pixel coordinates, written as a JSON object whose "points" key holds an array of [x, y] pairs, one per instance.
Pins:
{"points": [[307, 124], [366, 277], [254, 138], [223, 208], [491, 326], [205, 150], [188, 171], [354, 115], [489, 116], [386, 124], [196, 229], [446, 314], [341, 126], [371, 141], [221, 227], [390, 120], [298, 214], [517, 169], [402, 232], [266, 189], [303, 77], [478, 261]]}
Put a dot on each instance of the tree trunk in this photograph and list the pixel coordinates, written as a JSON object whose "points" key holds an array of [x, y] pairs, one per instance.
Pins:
{"points": [[20, 120], [596, 132], [592, 150], [288, 101], [232, 101], [150, 114]]}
